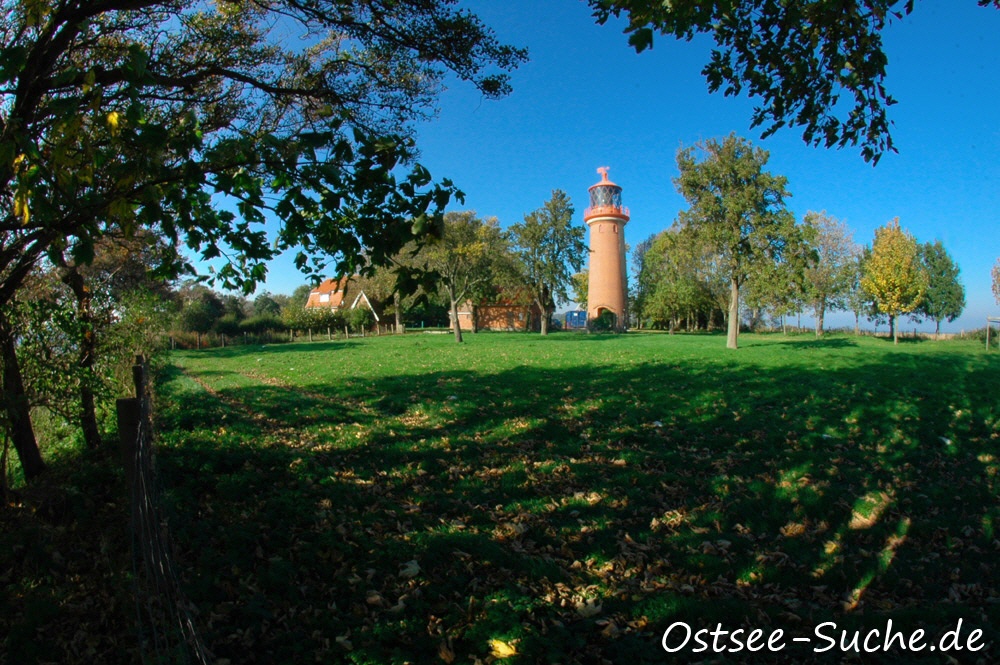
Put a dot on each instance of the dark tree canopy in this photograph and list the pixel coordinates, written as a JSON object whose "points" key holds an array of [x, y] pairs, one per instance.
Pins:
{"points": [[814, 64], [201, 120]]}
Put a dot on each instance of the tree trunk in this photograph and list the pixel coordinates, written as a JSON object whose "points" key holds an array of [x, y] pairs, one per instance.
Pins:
{"points": [[454, 321], [937, 328], [544, 323], [857, 324], [892, 329], [88, 350], [734, 315], [397, 305], [15, 403], [820, 313]]}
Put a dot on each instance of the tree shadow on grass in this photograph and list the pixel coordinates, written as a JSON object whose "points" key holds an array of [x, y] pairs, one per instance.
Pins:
{"points": [[826, 342], [573, 514]]}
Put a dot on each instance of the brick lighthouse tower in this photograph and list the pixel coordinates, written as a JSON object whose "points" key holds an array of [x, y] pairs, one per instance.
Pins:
{"points": [[606, 217]]}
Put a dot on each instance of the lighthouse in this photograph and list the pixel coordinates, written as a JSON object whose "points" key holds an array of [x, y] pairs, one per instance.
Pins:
{"points": [[606, 218]]}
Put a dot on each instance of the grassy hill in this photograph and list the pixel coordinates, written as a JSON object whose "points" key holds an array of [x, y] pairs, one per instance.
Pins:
{"points": [[566, 499]]}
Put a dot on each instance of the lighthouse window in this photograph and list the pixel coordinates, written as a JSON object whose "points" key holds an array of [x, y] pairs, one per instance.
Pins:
{"points": [[606, 196]]}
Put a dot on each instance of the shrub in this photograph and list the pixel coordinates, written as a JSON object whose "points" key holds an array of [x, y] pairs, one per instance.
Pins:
{"points": [[606, 321], [360, 319], [979, 334], [228, 325], [257, 325]]}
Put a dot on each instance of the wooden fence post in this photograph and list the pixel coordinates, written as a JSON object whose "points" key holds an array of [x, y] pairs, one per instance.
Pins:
{"points": [[129, 412]]}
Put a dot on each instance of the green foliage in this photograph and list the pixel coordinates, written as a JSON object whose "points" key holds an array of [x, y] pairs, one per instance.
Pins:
{"points": [[195, 122], [118, 124], [468, 260], [737, 210], [606, 321], [228, 324], [312, 318], [258, 325], [360, 319], [201, 313], [549, 250], [580, 284], [300, 296], [810, 63], [50, 335], [265, 305], [779, 287], [679, 275], [944, 298], [830, 279]]}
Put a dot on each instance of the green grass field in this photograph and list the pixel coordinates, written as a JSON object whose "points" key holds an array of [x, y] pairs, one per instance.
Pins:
{"points": [[565, 499]]}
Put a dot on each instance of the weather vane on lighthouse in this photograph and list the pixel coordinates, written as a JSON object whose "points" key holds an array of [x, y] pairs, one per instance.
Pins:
{"points": [[606, 217]]}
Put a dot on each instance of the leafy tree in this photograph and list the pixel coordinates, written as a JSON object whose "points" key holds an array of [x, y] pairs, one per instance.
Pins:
{"points": [[201, 310], [830, 278], [944, 298], [673, 276], [465, 259], [737, 208], [893, 275], [778, 286], [79, 327], [258, 325], [265, 305], [996, 280], [549, 251], [639, 287], [580, 283], [858, 301], [381, 287], [299, 297], [672, 300], [360, 319], [234, 306], [800, 58], [170, 114], [121, 271]]}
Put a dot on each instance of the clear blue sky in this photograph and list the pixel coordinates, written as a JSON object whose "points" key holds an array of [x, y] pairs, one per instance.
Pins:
{"points": [[586, 99]]}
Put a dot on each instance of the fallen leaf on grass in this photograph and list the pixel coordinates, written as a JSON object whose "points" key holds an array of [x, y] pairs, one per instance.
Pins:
{"points": [[501, 649], [409, 569]]}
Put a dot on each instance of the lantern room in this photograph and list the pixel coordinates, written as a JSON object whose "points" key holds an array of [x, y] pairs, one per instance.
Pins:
{"points": [[605, 199]]}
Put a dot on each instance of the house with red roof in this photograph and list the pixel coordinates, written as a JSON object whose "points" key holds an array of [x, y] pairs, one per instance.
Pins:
{"points": [[338, 294]]}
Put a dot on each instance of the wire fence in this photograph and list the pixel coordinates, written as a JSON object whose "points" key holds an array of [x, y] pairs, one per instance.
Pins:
{"points": [[164, 616]]}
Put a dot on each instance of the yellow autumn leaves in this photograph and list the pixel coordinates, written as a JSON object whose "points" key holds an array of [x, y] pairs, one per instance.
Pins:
{"points": [[893, 274], [22, 195], [20, 167]]}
